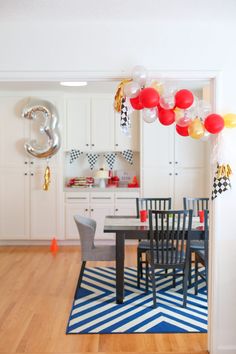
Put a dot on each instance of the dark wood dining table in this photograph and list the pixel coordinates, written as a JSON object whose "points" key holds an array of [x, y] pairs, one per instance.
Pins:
{"points": [[130, 228]]}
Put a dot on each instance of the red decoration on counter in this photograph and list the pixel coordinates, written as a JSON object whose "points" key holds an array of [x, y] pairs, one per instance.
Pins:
{"points": [[134, 183]]}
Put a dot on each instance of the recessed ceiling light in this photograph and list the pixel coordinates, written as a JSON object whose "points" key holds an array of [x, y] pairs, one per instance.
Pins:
{"points": [[73, 83]]}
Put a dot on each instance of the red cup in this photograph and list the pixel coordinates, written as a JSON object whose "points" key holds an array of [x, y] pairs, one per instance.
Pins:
{"points": [[201, 215], [143, 215]]}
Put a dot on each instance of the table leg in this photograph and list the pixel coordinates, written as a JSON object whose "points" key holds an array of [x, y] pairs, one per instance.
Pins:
{"points": [[120, 258]]}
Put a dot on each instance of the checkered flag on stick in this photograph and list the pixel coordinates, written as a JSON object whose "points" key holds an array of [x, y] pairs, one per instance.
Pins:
{"points": [[110, 159], [128, 155], [221, 180], [125, 122], [92, 159], [74, 154]]}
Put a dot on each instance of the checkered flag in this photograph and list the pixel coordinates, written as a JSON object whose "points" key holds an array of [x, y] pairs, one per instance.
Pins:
{"points": [[128, 155], [110, 159], [220, 185], [74, 154], [92, 159], [125, 122]]}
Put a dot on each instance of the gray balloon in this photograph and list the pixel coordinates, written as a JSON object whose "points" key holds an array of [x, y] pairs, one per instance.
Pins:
{"points": [[50, 128]]}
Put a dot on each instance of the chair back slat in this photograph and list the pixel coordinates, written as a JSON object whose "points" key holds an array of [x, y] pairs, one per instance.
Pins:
{"points": [[173, 228], [195, 204], [152, 204]]}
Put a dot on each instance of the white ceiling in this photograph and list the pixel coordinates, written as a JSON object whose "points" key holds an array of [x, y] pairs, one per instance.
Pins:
{"points": [[114, 10]]}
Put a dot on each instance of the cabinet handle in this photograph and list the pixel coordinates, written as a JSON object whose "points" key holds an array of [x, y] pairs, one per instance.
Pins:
{"points": [[32, 162], [31, 174], [117, 210], [86, 144], [101, 197], [85, 209], [176, 162], [170, 174], [26, 173], [26, 162], [76, 198], [93, 145], [126, 198], [92, 209], [170, 162], [117, 144], [176, 174]]}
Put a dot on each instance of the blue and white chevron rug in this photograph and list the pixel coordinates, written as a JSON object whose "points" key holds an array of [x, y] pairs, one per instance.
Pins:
{"points": [[96, 310]]}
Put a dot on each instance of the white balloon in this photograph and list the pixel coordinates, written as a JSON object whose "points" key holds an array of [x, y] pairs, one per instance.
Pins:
{"points": [[167, 101], [140, 74], [204, 109], [149, 115], [132, 89], [206, 136], [183, 121]]}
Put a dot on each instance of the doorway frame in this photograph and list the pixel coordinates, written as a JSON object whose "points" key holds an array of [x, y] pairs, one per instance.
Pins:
{"points": [[215, 79]]}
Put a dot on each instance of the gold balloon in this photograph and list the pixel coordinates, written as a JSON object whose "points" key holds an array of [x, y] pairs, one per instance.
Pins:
{"points": [[47, 179], [158, 86], [179, 113], [230, 120], [196, 129], [120, 94]]}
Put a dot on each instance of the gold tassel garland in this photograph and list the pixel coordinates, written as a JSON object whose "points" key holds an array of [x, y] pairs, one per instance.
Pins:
{"points": [[223, 171], [47, 180], [120, 94]]}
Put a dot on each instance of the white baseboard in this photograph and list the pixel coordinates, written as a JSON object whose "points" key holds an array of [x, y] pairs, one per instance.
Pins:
{"points": [[229, 349], [60, 242]]}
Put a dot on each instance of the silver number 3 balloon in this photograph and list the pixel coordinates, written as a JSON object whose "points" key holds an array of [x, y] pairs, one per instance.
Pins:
{"points": [[49, 127]]}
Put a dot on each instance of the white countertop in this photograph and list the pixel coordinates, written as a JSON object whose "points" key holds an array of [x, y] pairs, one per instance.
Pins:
{"points": [[97, 189]]}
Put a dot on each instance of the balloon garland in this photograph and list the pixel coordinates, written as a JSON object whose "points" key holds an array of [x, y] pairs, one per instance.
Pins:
{"points": [[192, 117]]}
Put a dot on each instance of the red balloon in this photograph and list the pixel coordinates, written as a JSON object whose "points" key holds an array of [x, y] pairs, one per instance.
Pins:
{"points": [[183, 131], [135, 103], [166, 116], [214, 123], [149, 97], [184, 99]]}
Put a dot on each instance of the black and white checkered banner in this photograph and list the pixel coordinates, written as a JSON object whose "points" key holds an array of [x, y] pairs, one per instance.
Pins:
{"points": [[128, 155], [74, 154], [125, 122], [220, 185], [110, 159], [92, 160]]}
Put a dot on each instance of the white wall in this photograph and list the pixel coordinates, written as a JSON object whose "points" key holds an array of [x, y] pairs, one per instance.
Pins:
{"points": [[193, 42]]}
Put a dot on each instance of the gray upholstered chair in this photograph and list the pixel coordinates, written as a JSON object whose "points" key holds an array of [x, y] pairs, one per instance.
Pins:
{"points": [[89, 251]]}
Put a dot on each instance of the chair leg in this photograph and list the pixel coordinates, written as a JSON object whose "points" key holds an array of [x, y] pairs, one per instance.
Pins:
{"points": [[190, 269], [185, 284], [139, 267], [196, 275], [154, 288], [80, 279], [174, 282], [147, 276]]}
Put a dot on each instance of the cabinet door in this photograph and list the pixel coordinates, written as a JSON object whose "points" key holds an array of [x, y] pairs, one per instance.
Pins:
{"points": [[72, 209], [189, 183], [189, 153], [44, 206], [158, 182], [98, 213], [102, 123], [78, 123], [123, 141], [14, 131], [158, 146], [14, 204], [125, 210]]}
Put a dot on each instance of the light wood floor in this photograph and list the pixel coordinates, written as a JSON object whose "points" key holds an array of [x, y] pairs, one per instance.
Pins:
{"points": [[36, 293]]}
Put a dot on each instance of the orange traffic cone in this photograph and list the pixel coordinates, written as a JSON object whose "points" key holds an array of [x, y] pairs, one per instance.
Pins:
{"points": [[54, 246]]}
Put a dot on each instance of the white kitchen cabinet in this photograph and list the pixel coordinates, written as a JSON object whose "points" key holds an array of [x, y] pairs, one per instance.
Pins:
{"points": [[102, 123], [26, 211], [98, 212], [72, 209], [172, 166], [93, 125], [122, 141]]}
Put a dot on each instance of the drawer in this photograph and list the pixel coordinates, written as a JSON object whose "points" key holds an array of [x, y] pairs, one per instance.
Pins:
{"points": [[101, 198], [77, 197], [126, 197]]}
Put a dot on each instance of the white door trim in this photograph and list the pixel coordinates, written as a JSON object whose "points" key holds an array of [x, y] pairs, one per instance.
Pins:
{"points": [[215, 76]]}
